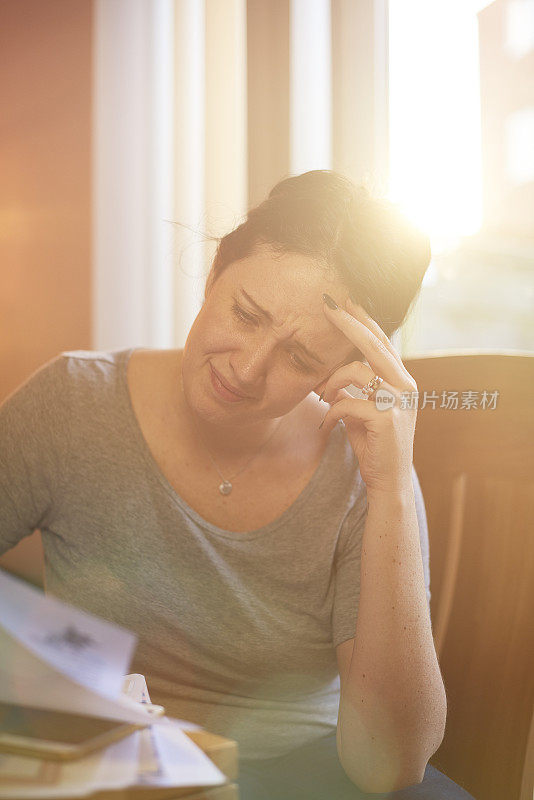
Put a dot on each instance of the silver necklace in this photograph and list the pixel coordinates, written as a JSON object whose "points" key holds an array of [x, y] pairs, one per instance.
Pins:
{"points": [[226, 486]]}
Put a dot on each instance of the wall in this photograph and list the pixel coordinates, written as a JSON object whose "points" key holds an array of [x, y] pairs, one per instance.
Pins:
{"points": [[45, 163]]}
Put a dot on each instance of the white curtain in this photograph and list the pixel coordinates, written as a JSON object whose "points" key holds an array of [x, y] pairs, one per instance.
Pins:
{"points": [[132, 173]]}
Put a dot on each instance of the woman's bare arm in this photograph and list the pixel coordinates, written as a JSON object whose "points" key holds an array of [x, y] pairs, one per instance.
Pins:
{"points": [[393, 705]]}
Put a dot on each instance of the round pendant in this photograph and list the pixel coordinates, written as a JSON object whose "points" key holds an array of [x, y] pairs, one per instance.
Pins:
{"points": [[225, 487]]}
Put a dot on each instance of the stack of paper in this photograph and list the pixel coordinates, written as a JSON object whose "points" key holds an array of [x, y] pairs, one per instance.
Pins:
{"points": [[54, 656]]}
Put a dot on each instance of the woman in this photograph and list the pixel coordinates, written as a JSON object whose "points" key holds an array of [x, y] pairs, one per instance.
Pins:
{"points": [[240, 510]]}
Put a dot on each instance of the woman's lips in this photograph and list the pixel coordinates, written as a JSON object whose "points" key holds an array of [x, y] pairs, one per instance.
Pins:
{"points": [[223, 390]]}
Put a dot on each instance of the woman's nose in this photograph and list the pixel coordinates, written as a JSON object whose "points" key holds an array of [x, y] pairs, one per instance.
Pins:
{"points": [[251, 362]]}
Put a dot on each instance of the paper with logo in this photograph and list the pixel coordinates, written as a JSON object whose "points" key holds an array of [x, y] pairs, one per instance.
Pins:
{"points": [[93, 652], [56, 656]]}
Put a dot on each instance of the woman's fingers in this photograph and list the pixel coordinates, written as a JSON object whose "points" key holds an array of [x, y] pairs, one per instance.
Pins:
{"points": [[378, 350], [358, 375], [350, 408]]}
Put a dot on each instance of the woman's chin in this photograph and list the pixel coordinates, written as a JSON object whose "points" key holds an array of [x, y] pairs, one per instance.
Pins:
{"points": [[202, 401]]}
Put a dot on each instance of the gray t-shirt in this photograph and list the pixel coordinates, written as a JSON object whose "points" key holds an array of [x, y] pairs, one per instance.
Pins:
{"points": [[236, 630]]}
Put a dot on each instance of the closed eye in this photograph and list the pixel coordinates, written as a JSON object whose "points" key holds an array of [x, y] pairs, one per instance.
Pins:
{"points": [[299, 364], [243, 315]]}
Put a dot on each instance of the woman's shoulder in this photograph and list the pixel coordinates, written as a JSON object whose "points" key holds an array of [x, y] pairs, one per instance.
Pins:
{"points": [[90, 371], [70, 366], [73, 379], [53, 378]]}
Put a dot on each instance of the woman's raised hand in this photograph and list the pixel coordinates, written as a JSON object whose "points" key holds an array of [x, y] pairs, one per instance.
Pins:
{"points": [[381, 437]]}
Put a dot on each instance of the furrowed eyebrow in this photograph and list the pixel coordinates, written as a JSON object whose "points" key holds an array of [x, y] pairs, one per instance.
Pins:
{"points": [[269, 316]]}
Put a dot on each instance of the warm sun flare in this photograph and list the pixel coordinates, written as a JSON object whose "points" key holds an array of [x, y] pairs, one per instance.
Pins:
{"points": [[435, 169]]}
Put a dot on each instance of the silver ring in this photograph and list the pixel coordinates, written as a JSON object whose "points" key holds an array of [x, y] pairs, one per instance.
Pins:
{"points": [[373, 384]]}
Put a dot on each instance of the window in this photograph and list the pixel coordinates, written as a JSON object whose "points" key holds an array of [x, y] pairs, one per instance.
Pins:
{"points": [[462, 166]]}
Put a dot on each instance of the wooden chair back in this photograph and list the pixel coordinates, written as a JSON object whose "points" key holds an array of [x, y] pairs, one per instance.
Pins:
{"points": [[476, 468]]}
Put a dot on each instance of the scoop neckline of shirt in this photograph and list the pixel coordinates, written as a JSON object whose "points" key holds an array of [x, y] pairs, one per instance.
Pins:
{"points": [[171, 491]]}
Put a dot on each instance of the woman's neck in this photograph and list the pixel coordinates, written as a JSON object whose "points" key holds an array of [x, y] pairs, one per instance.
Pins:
{"points": [[239, 442]]}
